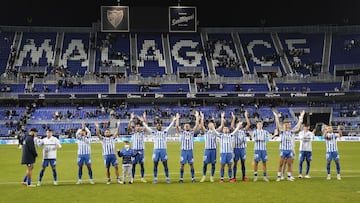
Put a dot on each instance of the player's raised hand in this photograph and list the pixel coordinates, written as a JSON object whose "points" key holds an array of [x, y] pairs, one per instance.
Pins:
{"points": [[132, 116], [141, 118], [302, 113], [232, 115], [222, 115], [96, 124], [176, 117], [275, 114], [202, 115], [196, 114], [246, 113]]}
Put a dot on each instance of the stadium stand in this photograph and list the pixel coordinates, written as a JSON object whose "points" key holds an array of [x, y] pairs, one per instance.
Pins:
{"points": [[112, 53], [57, 78], [150, 62]]}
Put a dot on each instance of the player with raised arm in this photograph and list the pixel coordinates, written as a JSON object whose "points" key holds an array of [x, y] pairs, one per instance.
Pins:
{"points": [[83, 137], [50, 145], [287, 135], [305, 150], [260, 137], [226, 150], [160, 147], [187, 145], [210, 138], [332, 152], [138, 143], [240, 146], [109, 151]]}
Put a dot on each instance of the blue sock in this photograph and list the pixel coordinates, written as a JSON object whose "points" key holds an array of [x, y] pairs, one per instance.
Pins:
{"points": [[230, 172], [90, 173], [142, 171], [242, 169], [192, 170], [29, 181], [212, 169], [166, 169], [54, 174], [181, 173], [25, 178], [328, 167], [337, 167], [155, 171], [235, 170], [80, 173], [222, 171], [41, 174], [204, 169], [264, 174], [307, 167]]}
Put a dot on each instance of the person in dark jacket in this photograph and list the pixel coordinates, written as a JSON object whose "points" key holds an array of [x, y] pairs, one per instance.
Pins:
{"points": [[127, 155], [29, 155]]}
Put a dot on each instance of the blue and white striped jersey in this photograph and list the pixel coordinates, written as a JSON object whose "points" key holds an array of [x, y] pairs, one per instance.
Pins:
{"points": [[286, 140], [187, 140], [108, 145], [210, 139], [260, 138], [226, 143], [83, 142], [240, 139], [137, 139], [331, 142], [159, 139]]}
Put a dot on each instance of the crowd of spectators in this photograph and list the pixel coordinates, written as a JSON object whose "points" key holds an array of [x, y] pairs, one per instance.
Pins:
{"points": [[350, 44]]}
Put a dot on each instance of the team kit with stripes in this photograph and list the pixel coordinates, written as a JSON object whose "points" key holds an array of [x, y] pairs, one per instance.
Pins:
{"points": [[229, 140]]}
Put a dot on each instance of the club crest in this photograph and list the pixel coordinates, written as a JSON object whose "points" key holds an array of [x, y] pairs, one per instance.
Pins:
{"points": [[115, 16]]}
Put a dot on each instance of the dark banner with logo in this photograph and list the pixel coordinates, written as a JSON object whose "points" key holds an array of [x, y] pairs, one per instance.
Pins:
{"points": [[114, 19], [182, 19]]}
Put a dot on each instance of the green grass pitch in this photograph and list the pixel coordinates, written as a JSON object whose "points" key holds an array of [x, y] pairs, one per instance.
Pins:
{"points": [[316, 189]]}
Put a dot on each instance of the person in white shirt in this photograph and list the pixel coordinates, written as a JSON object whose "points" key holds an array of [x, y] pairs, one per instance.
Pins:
{"points": [[305, 150], [50, 145]]}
